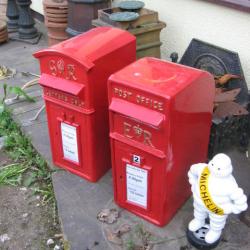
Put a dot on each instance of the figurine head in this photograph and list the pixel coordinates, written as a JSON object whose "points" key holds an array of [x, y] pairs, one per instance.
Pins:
{"points": [[220, 165]]}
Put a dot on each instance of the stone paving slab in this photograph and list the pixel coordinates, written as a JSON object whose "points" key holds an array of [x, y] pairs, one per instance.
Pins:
{"points": [[78, 207], [84, 200], [40, 140], [27, 107], [36, 94], [19, 54], [241, 170], [26, 119]]}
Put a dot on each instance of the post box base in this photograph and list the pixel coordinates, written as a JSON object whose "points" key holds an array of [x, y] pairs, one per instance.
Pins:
{"points": [[145, 217], [161, 222], [80, 174]]}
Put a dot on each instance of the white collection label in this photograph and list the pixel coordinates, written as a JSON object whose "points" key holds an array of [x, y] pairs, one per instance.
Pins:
{"points": [[69, 142], [137, 185]]}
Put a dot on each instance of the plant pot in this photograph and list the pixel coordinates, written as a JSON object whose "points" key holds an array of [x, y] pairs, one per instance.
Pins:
{"points": [[3, 32], [52, 40], [56, 18], [147, 35], [81, 14], [146, 17]]}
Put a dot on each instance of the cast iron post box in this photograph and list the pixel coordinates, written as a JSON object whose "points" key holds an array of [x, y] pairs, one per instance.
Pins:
{"points": [[160, 118], [74, 78]]}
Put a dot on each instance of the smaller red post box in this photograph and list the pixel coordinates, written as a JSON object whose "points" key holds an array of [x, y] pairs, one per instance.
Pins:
{"points": [[160, 118], [74, 77]]}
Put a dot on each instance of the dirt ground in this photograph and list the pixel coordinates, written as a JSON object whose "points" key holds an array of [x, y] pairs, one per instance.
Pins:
{"points": [[24, 222]]}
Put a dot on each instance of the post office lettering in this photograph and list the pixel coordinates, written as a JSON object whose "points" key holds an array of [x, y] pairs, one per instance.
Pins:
{"points": [[122, 93], [148, 102], [139, 99]]}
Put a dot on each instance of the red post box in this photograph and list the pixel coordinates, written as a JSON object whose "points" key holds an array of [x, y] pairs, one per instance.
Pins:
{"points": [[160, 118], [74, 77]]}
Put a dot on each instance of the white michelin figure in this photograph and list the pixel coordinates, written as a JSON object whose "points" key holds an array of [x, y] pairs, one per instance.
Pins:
{"points": [[216, 195]]}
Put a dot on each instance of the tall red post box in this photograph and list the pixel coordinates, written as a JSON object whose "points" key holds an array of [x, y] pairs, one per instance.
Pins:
{"points": [[160, 118], [74, 77]]}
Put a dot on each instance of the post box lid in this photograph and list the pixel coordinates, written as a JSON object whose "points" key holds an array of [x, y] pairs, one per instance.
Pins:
{"points": [[158, 76], [90, 46]]}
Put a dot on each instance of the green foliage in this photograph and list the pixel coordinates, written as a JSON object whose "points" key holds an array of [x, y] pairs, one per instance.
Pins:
{"points": [[2, 105], [20, 92], [30, 169], [7, 126], [12, 174], [130, 245], [66, 245], [46, 192], [5, 86], [14, 90], [142, 234]]}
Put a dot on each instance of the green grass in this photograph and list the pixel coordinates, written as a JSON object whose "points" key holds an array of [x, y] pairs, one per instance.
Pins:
{"points": [[12, 174], [14, 90], [130, 245], [29, 168]]}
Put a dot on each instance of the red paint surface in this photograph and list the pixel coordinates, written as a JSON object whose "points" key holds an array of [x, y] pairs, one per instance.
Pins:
{"points": [[174, 104], [74, 77]]}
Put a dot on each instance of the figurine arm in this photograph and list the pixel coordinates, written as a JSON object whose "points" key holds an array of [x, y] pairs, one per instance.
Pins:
{"points": [[194, 172], [239, 200]]}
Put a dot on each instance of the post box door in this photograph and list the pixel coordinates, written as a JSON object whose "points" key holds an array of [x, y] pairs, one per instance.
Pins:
{"points": [[136, 182], [137, 139], [66, 129]]}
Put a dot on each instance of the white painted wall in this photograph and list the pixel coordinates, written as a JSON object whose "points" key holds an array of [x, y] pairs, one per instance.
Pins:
{"points": [[37, 5], [219, 25], [187, 19]]}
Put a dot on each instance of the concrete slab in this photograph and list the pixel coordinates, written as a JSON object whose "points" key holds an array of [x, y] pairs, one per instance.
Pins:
{"points": [[78, 207], [40, 140], [27, 107], [79, 202], [18, 55], [26, 119], [241, 171], [36, 94]]}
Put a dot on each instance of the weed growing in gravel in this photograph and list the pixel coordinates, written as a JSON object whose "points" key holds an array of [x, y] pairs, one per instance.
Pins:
{"points": [[29, 169], [11, 174], [13, 90]]}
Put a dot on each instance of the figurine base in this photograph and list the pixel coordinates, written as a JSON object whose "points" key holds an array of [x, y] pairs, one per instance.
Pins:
{"points": [[197, 238]]}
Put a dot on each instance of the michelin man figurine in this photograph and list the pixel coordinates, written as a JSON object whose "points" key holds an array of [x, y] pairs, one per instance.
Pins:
{"points": [[216, 195]]}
